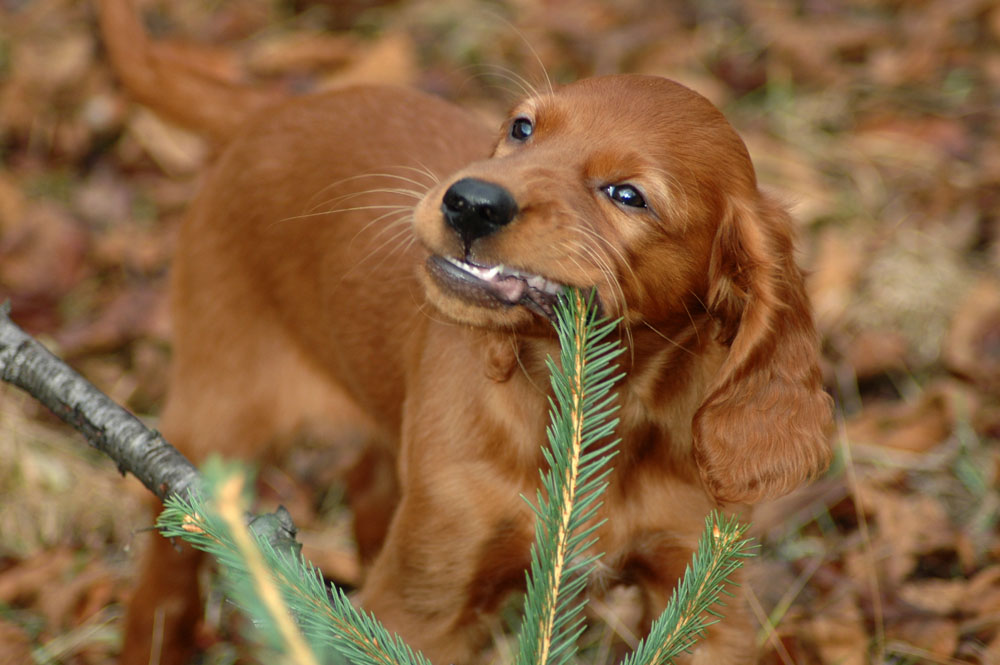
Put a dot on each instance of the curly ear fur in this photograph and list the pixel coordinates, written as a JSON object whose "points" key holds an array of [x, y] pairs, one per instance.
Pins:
{"points": [[762, 429]]}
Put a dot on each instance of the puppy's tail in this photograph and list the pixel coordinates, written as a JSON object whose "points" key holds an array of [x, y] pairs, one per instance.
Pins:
{"points": [[182, 90]]}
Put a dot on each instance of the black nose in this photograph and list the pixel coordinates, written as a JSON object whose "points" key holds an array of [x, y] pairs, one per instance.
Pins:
{"points": [[476, 208]]}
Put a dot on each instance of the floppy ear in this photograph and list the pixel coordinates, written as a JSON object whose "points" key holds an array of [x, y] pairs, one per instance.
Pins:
{"points": [[762, 429]]}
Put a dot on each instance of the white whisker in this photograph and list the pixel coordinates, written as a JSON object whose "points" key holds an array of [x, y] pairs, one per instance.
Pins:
{"points": [[669, 339], [526, 88], [397, 242], [534, 53], [604, 265], [402, 219], [390, 208], [594, 235], [418, 191]]}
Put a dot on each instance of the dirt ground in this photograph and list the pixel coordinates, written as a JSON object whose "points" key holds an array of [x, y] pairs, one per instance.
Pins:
{"points": [[876, 120]]}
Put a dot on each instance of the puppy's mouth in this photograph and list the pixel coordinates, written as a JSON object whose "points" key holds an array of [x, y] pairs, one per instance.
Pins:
{"points": [[495, 286]]}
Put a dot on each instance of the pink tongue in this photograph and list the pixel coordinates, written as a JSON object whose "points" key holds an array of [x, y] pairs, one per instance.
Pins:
{"points": [[510, 289]]}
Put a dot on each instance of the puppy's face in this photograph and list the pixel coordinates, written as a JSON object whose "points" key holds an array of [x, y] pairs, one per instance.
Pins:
{"points": [[615, 183]]}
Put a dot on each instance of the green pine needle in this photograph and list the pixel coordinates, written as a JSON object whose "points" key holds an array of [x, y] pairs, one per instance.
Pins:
{"points": [[720, 553], [326, 620], [578, 468]]}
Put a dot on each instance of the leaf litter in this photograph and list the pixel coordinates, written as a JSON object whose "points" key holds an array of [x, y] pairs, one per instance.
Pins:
{"points": [[875, 120]]}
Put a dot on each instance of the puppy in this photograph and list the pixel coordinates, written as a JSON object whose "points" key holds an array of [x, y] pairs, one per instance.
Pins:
{"points": [[373, 260]]}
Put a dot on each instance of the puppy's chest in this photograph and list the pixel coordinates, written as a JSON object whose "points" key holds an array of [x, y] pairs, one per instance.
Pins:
{"points": [[654, 440], [654, 506]]}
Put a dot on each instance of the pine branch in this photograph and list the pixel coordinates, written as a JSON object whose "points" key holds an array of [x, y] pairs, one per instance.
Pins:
{"points": [[720, 553], [324, 617], [231, 511], [578, 467]]}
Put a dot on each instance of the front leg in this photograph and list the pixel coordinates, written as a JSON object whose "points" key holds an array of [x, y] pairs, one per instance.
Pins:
{"points": [[452, 555], [461, 537]]}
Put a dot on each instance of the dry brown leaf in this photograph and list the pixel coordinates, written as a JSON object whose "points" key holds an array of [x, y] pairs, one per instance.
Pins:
{"points": [[51, 583], [916, 426], [991, 654], [298, 53], [972, 345], [815, 45], [54, 61], [925, 636], [12, 204], [839, 633], [134, 247], [176, 150], [81, 594], [103, 202], [933, 595], [836, 270], [129, 316], [44, 252], [337, 558], [903, 527], [15, 644], [982, 598], [899, 136], [391, 60], [874, 352], [21, 584]]}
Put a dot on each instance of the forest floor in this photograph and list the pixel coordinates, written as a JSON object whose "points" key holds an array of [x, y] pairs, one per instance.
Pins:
{"points": [[876, 120]]}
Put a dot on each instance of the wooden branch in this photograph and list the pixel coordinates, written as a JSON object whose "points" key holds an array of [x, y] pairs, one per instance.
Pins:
{"points": [[135, 448]]}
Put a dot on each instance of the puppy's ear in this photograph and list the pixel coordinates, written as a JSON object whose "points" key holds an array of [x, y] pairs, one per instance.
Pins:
{"points": [[762, 428]]}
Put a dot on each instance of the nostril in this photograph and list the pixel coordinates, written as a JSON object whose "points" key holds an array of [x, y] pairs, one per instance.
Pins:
{"points": [[476, 208], [454, 201]]}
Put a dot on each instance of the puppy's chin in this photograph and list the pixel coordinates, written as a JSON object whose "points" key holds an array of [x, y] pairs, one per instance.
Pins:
{"points": [[481, 313]]}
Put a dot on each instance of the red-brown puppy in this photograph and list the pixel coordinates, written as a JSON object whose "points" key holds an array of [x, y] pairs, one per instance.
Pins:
{"points": [[373, 259]]}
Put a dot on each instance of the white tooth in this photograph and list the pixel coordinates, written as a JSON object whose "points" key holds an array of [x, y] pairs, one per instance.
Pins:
{"points": [[491, 273]]}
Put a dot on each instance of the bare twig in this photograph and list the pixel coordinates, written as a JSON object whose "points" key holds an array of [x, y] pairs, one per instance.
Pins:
{"points": [[135, 448]]}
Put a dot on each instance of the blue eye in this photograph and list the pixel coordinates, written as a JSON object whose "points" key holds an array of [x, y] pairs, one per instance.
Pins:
{"points": [[625, 195], [521, 129]]}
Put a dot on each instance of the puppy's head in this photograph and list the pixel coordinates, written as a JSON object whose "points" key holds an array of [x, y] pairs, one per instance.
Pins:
{"points": [[638, 187], [614, 183]]}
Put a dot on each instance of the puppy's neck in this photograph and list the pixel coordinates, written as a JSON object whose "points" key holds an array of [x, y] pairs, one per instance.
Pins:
{"points": [[666, 360], [649, 350]]}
